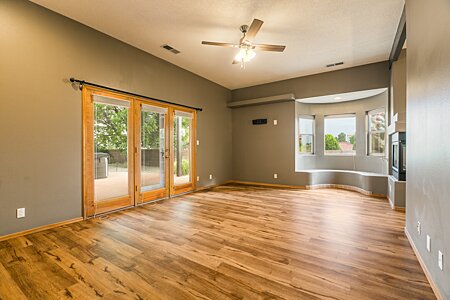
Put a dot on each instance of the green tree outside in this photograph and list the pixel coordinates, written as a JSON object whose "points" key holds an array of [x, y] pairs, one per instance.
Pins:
{"points": [[342, 137], [110, 127], [331, 143], [150, 130], [353, 141]]}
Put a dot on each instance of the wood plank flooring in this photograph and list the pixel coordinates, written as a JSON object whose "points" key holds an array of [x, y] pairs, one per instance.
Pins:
{"points": [[230, 242]]}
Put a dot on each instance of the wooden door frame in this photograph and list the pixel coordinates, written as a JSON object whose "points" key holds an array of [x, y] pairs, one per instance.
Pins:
{"points": [[188, 187], [143, 197], [90, 208]]}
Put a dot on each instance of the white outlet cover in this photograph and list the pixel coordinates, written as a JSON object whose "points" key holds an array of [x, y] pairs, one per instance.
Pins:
{"points": [[428, 243], [198, 143], [275, 122], [275, 175], [441, 260], [210, 176], [21, 212], [419, 229], [198, 178]]}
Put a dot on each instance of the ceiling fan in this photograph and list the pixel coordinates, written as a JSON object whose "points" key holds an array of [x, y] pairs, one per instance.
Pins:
{"points": [[246, 46]]}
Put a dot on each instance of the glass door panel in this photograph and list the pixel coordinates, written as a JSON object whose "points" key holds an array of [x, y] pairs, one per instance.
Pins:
{"points": [[182, 151], [153, 153], [112, 177]]}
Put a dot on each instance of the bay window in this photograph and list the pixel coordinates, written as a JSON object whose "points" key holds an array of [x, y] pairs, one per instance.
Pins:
{"points": [[376, 135], [306, 134]]}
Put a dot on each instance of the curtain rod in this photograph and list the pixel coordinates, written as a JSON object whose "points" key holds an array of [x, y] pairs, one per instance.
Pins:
{"points": [[81, 82]]}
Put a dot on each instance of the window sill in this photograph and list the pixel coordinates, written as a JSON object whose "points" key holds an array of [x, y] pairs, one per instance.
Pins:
{"points": [[306, 154]]}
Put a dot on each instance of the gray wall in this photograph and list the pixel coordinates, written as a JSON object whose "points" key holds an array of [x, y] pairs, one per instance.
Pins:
{"points": [[361, 161], [366, 77], [40, 113], [398, 85], [261, 151], [428, 138], [397, 103]]}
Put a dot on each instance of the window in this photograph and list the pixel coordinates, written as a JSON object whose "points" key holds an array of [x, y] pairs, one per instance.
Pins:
{"points": [[376, 132], [340, 135], [306, 134]]}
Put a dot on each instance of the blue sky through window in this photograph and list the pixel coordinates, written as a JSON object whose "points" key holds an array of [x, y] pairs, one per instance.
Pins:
{"points": [[336, 125]]}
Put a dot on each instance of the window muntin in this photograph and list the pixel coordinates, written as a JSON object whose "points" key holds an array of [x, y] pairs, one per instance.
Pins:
{"points": [[376, 135], [340, 134], [306, 134]]}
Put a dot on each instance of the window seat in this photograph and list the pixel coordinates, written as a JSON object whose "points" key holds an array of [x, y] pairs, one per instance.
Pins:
{"points": [[367, 183]]}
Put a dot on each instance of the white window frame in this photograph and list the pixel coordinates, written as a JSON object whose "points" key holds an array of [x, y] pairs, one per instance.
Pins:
{"points": [[345, 115], [369, 132], [309, 117]]}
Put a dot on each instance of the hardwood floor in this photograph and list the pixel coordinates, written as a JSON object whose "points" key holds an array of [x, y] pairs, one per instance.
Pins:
{"points": [[232, 241]]}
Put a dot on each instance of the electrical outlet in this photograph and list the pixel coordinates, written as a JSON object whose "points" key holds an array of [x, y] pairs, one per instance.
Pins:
{"points": [[419, 229], [441, 260], [210, 176], [198, 143], [275, 175], [198, 178], [21, 213], [428, 243], [275, 122]]}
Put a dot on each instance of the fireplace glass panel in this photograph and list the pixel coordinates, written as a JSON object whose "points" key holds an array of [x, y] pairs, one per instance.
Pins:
{"points": [[395, 156], [403, 157]]}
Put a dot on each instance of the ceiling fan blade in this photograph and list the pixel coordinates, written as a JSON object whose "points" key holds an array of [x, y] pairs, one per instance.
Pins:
{"points": [[219, 44], [276, 48], [253, 29]]}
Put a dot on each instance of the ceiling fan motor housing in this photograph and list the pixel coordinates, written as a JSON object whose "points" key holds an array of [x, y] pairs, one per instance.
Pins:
{"points": [[243, 28]]}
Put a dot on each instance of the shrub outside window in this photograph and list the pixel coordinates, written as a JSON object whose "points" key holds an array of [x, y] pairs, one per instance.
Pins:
{"points": [[376, 132], [306, 134], [340, 134]]}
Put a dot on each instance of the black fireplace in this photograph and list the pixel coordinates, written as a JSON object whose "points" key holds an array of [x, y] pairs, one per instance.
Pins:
{"points": [[399, 155]]}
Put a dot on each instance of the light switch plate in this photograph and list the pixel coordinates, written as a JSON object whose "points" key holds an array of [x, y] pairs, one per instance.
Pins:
{"points": [[275, 175], [441, 260], [275, 122], [428, 243], [198, 178], [419, 229], [198, 143], [210, 176]]}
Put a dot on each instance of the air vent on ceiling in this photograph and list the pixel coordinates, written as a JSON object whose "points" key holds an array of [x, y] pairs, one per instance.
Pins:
{"points": [[335, 64], [170, 48]]}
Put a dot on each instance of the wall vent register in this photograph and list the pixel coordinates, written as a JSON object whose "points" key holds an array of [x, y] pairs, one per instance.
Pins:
{"points": [[335, 64], [259, 121], [170, 49]]}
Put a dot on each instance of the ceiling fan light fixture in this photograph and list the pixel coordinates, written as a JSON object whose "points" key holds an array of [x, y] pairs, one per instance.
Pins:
{"points": [[245, 55], [246, 46]]}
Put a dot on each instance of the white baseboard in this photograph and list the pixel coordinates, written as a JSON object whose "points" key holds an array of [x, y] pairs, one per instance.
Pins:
{"points": [[433, 285], [344, 187]]}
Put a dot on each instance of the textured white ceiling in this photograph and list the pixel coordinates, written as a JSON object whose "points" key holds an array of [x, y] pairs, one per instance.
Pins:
{"points": [[316, 32]]}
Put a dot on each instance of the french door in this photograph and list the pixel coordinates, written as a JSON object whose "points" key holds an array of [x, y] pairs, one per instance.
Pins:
{"points": [[134, 151], [182, 156]]}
